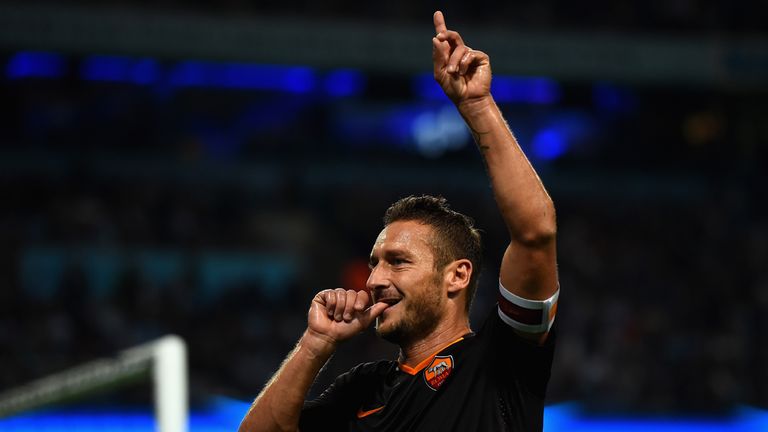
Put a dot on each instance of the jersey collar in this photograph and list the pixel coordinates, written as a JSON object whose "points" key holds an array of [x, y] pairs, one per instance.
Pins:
{"points": [[415, 369]]}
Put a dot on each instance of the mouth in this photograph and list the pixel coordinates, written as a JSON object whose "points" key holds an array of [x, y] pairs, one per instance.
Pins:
{"points": [[391, 301]]}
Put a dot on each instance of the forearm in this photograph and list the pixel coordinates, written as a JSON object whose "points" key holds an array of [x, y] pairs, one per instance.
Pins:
{"points": [[529, 265], [279, 405], [523, 201]]}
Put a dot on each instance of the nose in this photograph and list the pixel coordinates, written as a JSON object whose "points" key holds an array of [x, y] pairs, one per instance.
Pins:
{"points": [[377, 280]]}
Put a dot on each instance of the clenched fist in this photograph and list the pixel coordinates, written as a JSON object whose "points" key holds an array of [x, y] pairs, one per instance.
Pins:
{"points": [[337, 315]]}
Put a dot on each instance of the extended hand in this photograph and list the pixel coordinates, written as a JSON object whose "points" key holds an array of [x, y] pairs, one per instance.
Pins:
{"points": [[463, 73], [337, 315]]}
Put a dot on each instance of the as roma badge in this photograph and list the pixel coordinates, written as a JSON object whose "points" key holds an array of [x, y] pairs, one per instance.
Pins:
{"points": [[438, 371]]}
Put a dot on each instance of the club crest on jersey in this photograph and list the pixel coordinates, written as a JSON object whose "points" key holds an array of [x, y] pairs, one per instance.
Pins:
{"points": [[438, 371]]}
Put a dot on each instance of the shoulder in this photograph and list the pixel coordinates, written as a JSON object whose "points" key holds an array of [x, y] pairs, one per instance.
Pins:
{"points": [[349, 383], [500, 341], [521, 359], [365, 371], [374, 367]]}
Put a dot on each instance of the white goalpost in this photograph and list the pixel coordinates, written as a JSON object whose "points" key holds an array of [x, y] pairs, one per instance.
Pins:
{"points": [[163, 360]]}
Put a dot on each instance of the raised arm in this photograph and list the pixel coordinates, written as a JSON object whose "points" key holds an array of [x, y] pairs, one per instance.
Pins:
{"points": [[334, 316], [528, 268]]}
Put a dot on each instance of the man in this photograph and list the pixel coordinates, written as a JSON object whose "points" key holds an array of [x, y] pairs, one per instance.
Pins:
{"points": [[424, 269]]}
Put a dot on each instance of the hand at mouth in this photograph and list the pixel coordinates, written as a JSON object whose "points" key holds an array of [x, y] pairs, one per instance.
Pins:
{"points": [[388, 299]]}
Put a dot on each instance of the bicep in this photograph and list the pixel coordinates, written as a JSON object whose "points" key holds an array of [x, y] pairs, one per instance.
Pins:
{"points": [[528, 290], [530, 272]]}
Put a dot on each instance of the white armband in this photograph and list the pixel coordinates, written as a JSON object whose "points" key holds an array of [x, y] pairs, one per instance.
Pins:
{"points": [[529, 316]]}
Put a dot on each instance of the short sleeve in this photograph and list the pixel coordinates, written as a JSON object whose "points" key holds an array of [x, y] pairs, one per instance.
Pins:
{"points": [[336, 405], [516, 359]]}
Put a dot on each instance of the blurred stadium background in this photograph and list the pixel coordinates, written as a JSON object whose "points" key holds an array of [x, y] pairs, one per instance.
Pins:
{"points": [[202, 168]]}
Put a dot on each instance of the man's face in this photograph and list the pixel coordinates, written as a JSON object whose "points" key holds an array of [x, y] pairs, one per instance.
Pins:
{"points": [[403, 275]]}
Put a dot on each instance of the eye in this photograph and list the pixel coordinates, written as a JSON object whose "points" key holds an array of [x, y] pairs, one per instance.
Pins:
{"points": [[398, 261]]}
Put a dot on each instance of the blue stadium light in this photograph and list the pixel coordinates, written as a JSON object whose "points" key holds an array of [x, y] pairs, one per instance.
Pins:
{"points": [[296, 79], [425, 87], [105, 68], [438, 131], [114, 421], [344, 83], [538, 91], [145, 71], [505, 89], [225, 414], [188, 74], [570, 417], [427, 128], [754, 419], [291, 79], [558, 133], [612, 98], [120, 69], [239, 76], [549, 144], [397, 126], [35, 64], [259, 77]]}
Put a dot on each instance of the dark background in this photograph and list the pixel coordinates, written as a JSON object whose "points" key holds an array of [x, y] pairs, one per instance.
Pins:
{"points": [[203, 168]]}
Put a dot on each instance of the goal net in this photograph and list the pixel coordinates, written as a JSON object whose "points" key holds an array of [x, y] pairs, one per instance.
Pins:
{"points": [[163, 360]]}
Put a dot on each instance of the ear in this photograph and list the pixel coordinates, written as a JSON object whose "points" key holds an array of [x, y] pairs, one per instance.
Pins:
{"points": [[457, 275]]}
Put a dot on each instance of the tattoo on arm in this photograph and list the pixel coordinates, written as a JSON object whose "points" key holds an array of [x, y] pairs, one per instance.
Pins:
{"points": [[477, 136]]}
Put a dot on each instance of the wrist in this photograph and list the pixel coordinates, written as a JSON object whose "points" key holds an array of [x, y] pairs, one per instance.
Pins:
{"points": [[477, 108], [318, 345]]}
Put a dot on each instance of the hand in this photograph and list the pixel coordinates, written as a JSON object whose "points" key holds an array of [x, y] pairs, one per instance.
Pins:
{"points": [[463, 73], [337, 315]]}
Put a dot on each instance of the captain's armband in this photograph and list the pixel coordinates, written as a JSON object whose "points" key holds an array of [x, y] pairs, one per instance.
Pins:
{"points": [[528, 316]]}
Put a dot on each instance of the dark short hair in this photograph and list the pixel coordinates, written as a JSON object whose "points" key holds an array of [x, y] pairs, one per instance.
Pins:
{"points": [[455, 236]]}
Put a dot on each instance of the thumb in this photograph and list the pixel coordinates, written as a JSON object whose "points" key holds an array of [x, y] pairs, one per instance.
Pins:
{"points": [[372, 312]]}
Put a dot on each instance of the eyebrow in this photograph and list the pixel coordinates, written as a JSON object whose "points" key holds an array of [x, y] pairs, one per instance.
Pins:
{"points": [[391, 253]]}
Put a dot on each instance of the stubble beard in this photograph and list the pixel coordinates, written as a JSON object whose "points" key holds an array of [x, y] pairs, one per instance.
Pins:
{"points": [[421, 316]]}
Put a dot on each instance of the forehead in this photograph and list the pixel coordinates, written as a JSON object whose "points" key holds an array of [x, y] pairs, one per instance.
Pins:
{"points": [[410, 236]]}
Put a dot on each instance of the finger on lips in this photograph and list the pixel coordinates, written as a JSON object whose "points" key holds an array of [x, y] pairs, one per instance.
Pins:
{"points": [[361, 301], [342, 305]]}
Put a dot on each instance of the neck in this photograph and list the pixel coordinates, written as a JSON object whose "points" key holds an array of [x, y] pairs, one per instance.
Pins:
{"points": [[413, 353]]}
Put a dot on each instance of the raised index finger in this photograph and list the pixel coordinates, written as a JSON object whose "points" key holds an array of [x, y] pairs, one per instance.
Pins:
{"points": [[439, 21]]}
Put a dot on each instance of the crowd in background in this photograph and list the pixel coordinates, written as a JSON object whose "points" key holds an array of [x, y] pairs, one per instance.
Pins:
{"points": [[677, 17], [662, 241], [662, 303]]}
